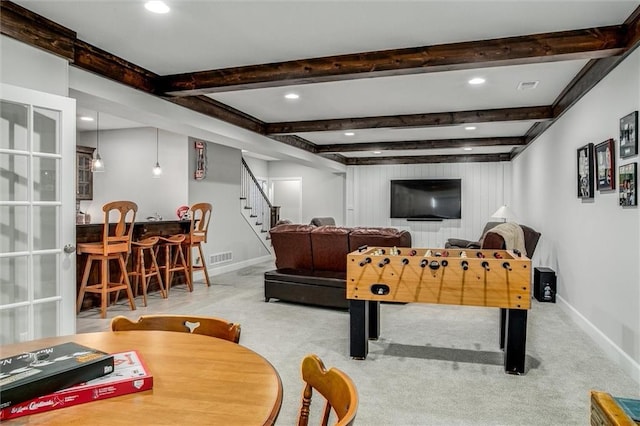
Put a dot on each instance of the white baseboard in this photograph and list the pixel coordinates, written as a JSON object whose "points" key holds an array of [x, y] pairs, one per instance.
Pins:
{"points": [[613, 351], [199, 276]]}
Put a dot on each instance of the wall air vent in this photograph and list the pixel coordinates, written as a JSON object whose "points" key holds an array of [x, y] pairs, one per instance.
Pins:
{"points": [[221, 257], [528, 85]]}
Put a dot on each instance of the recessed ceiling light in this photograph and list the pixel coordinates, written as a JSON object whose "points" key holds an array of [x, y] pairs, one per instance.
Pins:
{"points": [[156, 6], [292, 96], [477, 80], [470, 128], [377, 152], [349, 133], [466, 148], [86, 118], [528, 85]]}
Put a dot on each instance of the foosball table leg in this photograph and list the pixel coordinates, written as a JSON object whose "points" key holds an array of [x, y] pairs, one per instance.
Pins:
{"points": [[503, 322], [359, 328], [374, 319], [515, 341]]}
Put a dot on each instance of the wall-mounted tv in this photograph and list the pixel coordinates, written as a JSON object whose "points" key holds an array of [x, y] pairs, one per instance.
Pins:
{"points": [[426, 199]]}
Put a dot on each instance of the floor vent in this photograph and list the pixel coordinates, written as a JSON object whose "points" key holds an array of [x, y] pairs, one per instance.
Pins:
{"points": [[221, 257]]}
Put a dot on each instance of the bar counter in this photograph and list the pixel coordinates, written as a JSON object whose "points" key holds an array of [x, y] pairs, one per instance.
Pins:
{"points": [[92, 232]]}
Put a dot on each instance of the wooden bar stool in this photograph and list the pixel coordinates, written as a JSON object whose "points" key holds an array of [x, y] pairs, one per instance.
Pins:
{"points": [[115, 245], [141, 272], [200, 216], [173, 259]]}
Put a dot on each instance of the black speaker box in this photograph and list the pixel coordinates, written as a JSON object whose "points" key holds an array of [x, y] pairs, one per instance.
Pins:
{"points": [[544, 285]]}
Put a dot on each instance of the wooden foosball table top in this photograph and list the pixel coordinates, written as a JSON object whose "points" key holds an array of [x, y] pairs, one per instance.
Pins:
{"points": [[492, 278]]}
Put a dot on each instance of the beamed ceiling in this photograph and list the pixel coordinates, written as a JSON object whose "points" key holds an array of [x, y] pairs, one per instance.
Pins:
{"points": [[409, 104]]}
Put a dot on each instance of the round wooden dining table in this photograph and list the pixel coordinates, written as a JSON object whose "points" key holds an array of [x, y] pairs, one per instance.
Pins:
{"points": [[197, 379]]}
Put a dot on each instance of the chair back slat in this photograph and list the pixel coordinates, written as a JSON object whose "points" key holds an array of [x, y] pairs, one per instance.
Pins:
{"points": [[116, 235], [200, 216], [336, 387], [210, 326]]}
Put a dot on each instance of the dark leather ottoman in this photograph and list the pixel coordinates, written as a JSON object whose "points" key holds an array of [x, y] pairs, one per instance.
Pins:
{"points": [[323, 288]]}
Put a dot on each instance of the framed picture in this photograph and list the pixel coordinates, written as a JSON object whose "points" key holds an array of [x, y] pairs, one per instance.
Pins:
{"points": [[605, 171], [628, 184], [629, 135], [585, 171]]}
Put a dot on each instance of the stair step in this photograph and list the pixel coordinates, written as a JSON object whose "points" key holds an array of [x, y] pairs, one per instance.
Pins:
{"points": [[243, 198], [258, 223], [253, 215], [248, 208], [264, 230]]}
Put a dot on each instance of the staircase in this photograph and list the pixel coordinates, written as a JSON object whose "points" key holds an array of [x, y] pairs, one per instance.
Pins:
{"points": [[256, 207]]}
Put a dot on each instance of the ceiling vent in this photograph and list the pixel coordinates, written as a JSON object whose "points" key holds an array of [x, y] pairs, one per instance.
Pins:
{"points": [[528, 85]]}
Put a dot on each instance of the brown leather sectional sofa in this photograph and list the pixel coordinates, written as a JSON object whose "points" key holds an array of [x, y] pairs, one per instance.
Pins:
{"points": [[311, 261]]}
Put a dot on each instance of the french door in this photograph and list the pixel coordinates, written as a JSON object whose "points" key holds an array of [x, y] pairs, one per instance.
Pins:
{"points": [[37, 220]]}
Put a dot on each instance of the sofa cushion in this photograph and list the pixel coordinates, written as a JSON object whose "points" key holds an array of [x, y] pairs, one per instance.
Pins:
{"points": [[378, 237], [330, 246], [292, 246]]}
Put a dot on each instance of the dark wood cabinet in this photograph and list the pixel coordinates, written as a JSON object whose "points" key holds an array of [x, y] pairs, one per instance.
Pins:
{"points": [[84, 175]]}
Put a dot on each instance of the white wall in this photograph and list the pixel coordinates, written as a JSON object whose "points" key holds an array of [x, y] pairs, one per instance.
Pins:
{"points": [[29, 67], [322, 191], [129, 155], [484, 188], [594, 246]]}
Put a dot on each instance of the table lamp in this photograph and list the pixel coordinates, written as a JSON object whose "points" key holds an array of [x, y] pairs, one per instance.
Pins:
{"points": [[503, 213]]}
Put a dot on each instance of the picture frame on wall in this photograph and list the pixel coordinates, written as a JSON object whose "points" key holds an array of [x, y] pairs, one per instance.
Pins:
{"points": [[605, 162], [629, 135], [585, 171], [628, 185]]}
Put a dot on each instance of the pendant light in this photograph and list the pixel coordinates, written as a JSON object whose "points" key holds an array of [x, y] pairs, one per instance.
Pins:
{"points": [[157, 170], [97, 165]]}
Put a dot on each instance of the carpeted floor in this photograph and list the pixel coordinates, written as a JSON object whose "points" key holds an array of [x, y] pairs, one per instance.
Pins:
{"points": [[433, 365]]}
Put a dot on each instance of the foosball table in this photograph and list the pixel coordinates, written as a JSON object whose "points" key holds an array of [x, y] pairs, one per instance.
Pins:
{"points": [[491, 278]]}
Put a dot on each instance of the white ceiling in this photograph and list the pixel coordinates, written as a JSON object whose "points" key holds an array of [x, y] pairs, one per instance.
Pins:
{"points": [[204, 35]]}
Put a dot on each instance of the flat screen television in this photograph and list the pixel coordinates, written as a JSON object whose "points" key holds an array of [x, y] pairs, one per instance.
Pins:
{"points": [[426, 199]]}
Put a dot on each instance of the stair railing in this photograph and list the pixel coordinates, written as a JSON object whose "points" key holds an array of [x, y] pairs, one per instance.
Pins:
{"points": [[266, 214]]}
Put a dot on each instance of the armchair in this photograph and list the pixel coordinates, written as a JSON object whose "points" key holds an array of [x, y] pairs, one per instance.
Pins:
{"points": [[492, 240]]}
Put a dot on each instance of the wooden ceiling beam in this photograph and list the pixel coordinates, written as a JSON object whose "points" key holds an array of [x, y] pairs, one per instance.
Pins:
{"points": [[427, 159], [35, 30], [588, 43], [424, 144], [207, 106], [413, 120]]}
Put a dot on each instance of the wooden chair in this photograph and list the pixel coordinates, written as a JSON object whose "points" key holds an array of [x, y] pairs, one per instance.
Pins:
{"points": [[200, 216], [336, 387], [115, 245], [141, 272], [210, 326], [173, 259]]}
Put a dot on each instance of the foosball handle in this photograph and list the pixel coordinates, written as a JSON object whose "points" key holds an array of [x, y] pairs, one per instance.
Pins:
{"points": [[517, 252], [365, 261]]}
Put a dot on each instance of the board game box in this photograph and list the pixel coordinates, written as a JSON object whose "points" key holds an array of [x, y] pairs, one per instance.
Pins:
{"points": [[46, 370], [130, 375]]}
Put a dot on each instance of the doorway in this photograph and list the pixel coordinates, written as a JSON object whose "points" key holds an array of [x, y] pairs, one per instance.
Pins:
{"points": [[287, 193]]}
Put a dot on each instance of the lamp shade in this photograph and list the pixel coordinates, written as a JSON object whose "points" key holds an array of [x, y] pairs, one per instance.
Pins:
{"points": [[503, 213]]}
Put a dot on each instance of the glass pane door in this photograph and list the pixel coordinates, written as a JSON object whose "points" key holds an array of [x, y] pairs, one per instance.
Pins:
{"points": [[37, 278]]}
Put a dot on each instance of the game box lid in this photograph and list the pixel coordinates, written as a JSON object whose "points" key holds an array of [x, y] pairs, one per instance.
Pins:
{"points": [[36, 373]]}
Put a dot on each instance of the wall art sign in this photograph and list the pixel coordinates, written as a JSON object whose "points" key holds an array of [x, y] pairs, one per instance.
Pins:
{"points": [[629, 135], [605, 160], [628, 183], [201, 160], [585, 171]]}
